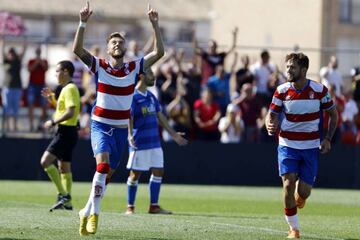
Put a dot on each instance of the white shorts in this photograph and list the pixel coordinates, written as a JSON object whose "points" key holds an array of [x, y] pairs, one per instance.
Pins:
{"points": [[143, 160]]}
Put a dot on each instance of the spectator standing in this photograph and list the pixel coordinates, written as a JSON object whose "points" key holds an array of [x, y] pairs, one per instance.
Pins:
{"points": [[12, 86], [330, 75], [212, 58], [243, 75], [348, 116], [262, 71], [220, 85], [37, 68]]}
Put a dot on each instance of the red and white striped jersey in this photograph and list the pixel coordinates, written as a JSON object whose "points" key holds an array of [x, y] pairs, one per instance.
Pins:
{"points": [[300, 126], [114, 90]]}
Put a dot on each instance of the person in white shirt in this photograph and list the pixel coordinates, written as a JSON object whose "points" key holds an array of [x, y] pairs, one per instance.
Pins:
{"points": [[330, 75], [262, 71], [231, 125]]}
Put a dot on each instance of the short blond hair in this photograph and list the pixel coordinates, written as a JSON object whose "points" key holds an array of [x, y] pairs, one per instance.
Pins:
{"points": [[113, 35]]}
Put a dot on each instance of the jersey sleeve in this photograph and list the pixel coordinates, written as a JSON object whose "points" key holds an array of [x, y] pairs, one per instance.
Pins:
{"points": [[140, 66], [326, 101], [94, 65], [276, 105]]}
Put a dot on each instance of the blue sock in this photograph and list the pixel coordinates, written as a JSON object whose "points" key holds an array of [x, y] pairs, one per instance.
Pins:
{"points": [[154, 187], [132, 189]]}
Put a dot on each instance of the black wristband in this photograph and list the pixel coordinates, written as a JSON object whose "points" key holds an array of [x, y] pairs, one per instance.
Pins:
{"points": [[52, 122], [328, 138]]}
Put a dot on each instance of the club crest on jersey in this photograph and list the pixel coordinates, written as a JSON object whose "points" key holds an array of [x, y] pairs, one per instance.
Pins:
{"points": [[311, 95], [108, 69]]}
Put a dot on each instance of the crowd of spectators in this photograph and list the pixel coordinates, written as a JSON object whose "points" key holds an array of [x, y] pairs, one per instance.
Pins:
{"points": [[198, 95]]}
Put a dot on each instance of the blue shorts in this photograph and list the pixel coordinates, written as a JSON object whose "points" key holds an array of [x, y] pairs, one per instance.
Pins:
{"points": [[34, 92], [11, 98], [304, 162], [105, 138]]}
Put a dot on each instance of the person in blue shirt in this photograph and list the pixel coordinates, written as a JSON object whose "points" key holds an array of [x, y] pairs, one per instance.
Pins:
{"points": [[145, 152], [220, 83]]}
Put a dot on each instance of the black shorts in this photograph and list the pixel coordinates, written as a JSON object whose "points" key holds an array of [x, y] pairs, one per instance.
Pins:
{"points": [[64, 142]]}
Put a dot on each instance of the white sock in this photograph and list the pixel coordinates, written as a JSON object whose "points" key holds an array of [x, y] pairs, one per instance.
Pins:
{"points": [[293, 222], [97, 190], [85, 212]]}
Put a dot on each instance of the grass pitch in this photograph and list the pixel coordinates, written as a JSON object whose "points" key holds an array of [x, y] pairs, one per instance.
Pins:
{"points": [[200, 212]]}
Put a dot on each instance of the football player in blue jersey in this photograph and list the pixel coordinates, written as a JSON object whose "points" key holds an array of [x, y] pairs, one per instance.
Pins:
{"points": [[145, 152]]}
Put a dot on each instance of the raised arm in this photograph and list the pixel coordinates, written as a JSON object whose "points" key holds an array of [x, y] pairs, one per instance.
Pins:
{"points": [[233, 80], [158, 51], [23, 49], [78, 47], [234, 40]]}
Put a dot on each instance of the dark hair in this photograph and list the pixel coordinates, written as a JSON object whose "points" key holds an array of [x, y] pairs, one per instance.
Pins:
{"points": [[115, 34], [68, 65], [301, 59], [264, 53]]}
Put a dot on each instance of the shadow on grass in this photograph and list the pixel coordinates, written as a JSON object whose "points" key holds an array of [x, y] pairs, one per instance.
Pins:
{"points": [[216, 216]]}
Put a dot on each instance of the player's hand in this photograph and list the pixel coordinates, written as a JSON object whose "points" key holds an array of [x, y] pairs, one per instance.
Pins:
{"points": [[132, 142], [85, 12], [46, 92], [325, 146], [272, 127], [153, 15], [48, 124], [179, 139]]}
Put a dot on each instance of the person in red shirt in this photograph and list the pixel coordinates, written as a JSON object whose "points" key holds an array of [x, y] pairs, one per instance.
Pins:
{"points": [[206, 115], [37, 68]]}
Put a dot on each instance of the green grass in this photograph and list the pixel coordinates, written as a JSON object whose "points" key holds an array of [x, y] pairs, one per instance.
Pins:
{"points": [[201, 212]]}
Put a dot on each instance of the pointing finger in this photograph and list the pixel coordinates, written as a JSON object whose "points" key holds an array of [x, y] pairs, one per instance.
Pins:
{"points": [[87, 5]]}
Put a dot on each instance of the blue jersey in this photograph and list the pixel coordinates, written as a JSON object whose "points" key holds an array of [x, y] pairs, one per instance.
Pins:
{"points": [[144, 111]]}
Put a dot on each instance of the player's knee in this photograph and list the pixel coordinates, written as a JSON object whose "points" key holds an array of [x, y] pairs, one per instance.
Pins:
{"points": [[64, 168], [134, 176], [158, 172], [44, 162], [304, 193], [289, 185]]}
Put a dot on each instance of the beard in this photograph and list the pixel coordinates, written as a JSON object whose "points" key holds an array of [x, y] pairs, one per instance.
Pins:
{"points": [[118, 55], [293, 78]]}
